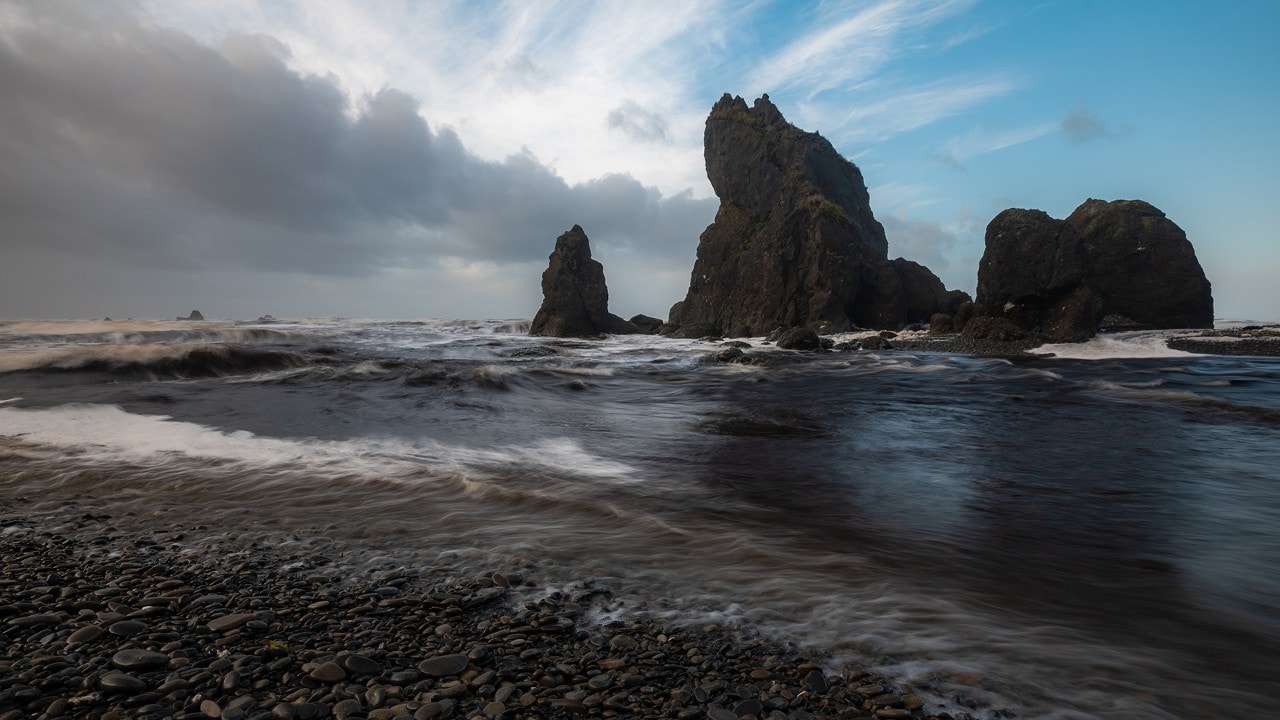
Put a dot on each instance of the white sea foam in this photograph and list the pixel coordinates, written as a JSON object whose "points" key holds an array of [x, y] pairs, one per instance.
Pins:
{"points": [[1117, 346], [106, 433]]}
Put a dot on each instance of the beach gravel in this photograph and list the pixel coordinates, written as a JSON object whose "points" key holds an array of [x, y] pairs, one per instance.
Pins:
{"points": [[108, 621]]}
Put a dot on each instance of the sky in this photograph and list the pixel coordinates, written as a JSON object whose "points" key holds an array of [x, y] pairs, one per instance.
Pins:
{"points": [[407, 159]]}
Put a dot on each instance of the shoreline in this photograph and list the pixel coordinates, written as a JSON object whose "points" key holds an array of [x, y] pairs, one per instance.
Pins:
{"points": [[105, 620]]}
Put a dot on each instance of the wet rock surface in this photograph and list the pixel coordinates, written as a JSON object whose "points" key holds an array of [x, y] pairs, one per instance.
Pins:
{"points": [[240, 632], [1258, 340]]}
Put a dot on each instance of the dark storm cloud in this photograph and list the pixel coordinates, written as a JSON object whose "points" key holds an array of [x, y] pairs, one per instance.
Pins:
{"points": [[144, 145], [638, 122]]}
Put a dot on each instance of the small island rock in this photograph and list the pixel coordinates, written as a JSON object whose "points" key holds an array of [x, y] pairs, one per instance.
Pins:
{"points": [[575, 300]]}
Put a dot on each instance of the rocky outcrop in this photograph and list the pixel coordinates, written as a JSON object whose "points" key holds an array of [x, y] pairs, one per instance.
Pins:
{"points": [[794, 242], [1032, 274], [1057, 279], [575, 300], [646, 324], [195, 315], [1143, 265], [799, 339]]}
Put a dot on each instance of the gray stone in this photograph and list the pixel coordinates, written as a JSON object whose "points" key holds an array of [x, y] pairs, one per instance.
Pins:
{"points": [[715, 712], [359, 665], [346, 708], [404, 677], [138, 659], [622, 642], [229, 622], [444, 665], [434, 709], [127, 628], [120, 682], [815, 681], [88, 633], [329, 672], [36, 620]]}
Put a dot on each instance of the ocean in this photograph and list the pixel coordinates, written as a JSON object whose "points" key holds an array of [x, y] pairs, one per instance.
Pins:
{"points": [[1095, 534]]}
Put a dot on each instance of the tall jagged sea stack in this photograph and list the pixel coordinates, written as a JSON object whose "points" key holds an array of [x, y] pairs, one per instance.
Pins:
{"points": [[794, 242], [575, 299]]}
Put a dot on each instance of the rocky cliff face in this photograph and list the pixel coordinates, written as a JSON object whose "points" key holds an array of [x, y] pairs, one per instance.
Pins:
{"points": [[575, 300], [794, 243], [1059, 278]]}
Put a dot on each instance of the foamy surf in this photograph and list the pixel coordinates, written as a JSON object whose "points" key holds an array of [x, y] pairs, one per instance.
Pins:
{"points": [[1116, 346]]}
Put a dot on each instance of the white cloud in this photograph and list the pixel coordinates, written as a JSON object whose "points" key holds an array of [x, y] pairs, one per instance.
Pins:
{"points": [[840, 52], [980, 141], [919, 106]]}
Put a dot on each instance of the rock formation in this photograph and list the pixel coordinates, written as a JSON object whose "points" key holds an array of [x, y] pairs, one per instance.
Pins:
{"points": [[794, 243], [1057, 279], [195, 315], [575, 301], [646, 324], [1143, 265]]}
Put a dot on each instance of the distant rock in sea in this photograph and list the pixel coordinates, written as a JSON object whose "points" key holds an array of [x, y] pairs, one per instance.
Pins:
{"points": [[794, 242], [1058, 279], [195, 315], [575, 300], [645, 324]]}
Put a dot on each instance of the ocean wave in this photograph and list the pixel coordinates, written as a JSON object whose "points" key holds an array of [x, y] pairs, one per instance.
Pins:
{"points": [[158, 360], [1205, 406]]}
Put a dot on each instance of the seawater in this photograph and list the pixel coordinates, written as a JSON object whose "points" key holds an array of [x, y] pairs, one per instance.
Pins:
{"points": [[1096, 536]]}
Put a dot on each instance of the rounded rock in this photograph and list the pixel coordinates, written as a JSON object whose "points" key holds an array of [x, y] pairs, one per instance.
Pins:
{"points": [[329, 672], [444, 665], [359, 665], [126, 628], [346, 708], [120, 682], [229, 622], [88, 633], [138, 659]]}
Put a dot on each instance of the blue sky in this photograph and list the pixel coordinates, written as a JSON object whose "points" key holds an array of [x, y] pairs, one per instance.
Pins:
{"points": [[397, 159]]}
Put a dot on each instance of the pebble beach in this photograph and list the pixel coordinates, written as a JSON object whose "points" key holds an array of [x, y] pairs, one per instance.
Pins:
{"points": [[104, 618]]}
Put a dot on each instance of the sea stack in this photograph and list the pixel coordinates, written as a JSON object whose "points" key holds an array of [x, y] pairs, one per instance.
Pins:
{"points": [[575, 300], [1143, 265], [794, 242], [1059, 279]]}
